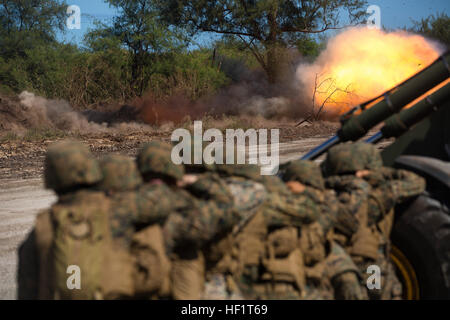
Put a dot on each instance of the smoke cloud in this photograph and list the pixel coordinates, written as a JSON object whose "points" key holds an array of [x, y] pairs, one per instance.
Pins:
{"points": [[31, 111], [41, 112]]}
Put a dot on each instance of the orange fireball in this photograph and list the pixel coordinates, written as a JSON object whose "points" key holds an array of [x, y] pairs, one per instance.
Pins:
{"points": [[362, 63]]}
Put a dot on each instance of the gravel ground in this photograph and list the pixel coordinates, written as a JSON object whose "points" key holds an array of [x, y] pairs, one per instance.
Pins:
{"points": [[20, 201]]}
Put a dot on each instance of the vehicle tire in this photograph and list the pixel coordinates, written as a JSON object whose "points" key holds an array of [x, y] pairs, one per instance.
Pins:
{"points": [[421, 248]]}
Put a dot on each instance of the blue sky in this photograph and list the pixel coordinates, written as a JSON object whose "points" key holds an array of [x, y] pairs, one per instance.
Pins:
{"points": [[394, 14]]}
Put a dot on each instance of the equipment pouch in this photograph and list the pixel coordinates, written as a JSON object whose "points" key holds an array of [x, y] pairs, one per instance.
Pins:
{"points": [[290, 269], [188, 278], [366, 243], [312, 243], [152, 266], [283, 241]]}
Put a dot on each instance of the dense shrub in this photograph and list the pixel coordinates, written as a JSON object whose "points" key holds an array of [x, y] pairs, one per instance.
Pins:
{"points": [[86, 77]]}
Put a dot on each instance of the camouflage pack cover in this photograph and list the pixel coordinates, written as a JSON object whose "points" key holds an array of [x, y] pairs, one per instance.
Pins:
{"points": [[351, 157], [155, 157], [69, 164], [305, 172], [119, 173]]}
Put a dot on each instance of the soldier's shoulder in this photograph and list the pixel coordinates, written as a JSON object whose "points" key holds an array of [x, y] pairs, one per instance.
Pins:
{"points": [[406, 174], [274, 184], [317, 195], [207, 182], [346, 182], [152, 190]]}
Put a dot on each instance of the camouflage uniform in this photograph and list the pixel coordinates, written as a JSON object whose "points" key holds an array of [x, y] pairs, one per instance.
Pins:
{"points": [[389, 187], [194, 222], [120, 181], [144, 207], [196, 219], [366, 207], [260, 259], [210, 218], [326, 262]]}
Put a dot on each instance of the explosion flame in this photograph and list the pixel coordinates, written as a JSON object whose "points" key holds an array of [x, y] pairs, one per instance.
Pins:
{"points": [[362, 63]]}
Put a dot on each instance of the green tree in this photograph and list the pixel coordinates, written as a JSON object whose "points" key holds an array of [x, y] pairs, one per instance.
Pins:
{"points": [[28, 45], [266, 27], [138, 29], [24, 23], [434, 26]]}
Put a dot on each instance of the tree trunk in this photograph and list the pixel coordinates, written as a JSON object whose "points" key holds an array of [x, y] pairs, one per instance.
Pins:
{"points": [[273, 63], [137, 67]]}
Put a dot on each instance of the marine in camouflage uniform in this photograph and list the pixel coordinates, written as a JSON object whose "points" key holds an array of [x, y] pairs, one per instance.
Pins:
{"points": [[244, 197], [192, 225], [196, 220], [367, 193], [326, 262], [203, 183], [121, 179], [139, 211], [261, 258], [69, 166]]}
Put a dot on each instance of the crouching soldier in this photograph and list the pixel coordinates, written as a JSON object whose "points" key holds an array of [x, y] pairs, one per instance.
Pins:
{"points": [[368, 193], [261, 258], [69, 168], [326, 263], [75, 234], [139, 211], [188, 228]]}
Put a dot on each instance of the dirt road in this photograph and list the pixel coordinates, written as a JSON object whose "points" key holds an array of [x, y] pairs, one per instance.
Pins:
{"points": [[21, 200]]}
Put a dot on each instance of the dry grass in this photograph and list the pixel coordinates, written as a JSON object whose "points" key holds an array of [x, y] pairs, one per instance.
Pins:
{"points": [[34, 135]]}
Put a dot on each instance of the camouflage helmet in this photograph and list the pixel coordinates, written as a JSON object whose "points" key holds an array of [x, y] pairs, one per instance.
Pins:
{"points": [[119, 173], [155, 157], [351, 157], [305, 172], [70, 164]]}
